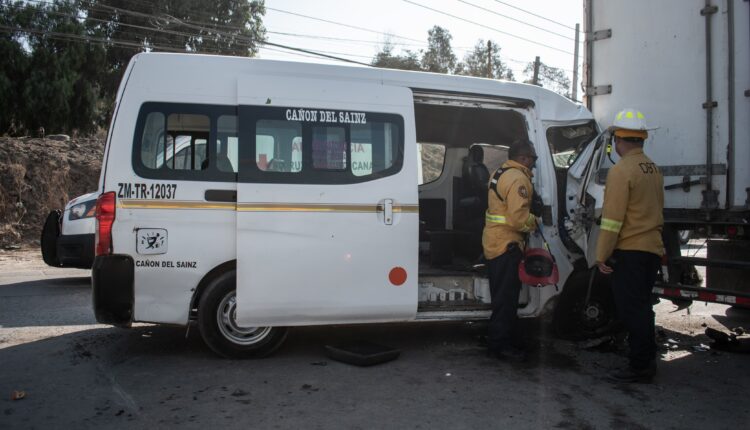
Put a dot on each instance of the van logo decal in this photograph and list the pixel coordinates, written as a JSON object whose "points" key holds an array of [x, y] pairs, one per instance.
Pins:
{"points": [[326, 116], [151, 241]]}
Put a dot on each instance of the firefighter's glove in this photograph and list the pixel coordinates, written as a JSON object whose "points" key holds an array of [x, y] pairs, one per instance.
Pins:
{"points": [[537, 205], [530, 224]]}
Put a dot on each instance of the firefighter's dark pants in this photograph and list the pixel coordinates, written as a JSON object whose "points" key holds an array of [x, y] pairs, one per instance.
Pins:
{"points": [[632, 281], [505, 288]]}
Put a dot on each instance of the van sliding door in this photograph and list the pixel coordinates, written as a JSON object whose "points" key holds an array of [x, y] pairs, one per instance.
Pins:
{"points": [[327, 206]]}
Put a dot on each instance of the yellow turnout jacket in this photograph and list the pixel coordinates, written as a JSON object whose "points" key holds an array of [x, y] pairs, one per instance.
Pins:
{"points": [[509, 219], [632, 216]]}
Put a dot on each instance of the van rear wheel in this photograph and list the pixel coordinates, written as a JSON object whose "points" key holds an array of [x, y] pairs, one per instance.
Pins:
{"points": [[217, 320]]}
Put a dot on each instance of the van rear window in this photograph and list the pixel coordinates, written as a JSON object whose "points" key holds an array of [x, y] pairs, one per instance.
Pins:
{"points": [[187, 142]]}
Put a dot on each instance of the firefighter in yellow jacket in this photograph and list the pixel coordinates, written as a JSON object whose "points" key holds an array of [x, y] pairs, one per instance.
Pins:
{"points": [[630, 243], [507, 222]]}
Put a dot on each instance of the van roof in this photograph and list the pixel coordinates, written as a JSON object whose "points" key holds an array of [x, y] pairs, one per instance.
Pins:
{"points": [[550, 106]]}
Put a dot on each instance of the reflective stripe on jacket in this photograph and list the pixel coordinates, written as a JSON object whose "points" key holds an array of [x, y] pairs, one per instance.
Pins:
{"points": [[632, 216], [509, 219]]}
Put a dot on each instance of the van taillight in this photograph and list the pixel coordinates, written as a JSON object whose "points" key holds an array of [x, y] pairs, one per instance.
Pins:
{"points": [[105, 217]]}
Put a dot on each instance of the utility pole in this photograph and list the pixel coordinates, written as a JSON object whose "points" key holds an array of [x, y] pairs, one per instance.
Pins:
{"points": [[489, 59], [535, 81], [575, 64]]}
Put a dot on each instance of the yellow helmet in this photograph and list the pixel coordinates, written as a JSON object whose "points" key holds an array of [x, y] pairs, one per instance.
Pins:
{"points": [[631, 123]]}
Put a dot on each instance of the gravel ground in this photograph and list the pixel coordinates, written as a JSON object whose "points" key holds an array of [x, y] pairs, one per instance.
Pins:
{"points": [[78, 374]]}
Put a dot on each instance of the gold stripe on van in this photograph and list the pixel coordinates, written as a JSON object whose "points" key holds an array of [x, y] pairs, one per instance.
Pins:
{"points": [[260, 207], [173, 204], [311, 207], [291, 207]]}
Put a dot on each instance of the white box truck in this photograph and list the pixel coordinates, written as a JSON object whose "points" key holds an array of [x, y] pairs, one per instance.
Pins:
{"points": [[686, 65]]}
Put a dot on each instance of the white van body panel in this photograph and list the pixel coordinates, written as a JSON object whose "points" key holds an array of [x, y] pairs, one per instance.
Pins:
{"points": [[296, 247], [324, 265]]}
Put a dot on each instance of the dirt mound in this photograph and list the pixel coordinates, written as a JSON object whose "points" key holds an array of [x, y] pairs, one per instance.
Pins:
{"points": [[40, 175]]}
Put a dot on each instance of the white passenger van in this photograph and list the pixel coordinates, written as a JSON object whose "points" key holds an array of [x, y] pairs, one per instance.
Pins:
{"points": [[252, 195]]}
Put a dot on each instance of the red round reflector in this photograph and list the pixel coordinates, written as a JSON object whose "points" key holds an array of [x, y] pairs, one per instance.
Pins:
{"points": [[397, 276], [732, 231]]}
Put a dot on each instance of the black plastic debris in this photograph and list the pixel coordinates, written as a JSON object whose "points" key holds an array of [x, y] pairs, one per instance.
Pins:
{"points": [[361, 353], [239, 393], [728, 341]]}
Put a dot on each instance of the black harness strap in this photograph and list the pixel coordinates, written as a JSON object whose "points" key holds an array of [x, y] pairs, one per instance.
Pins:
{"points": [[496, 178]]}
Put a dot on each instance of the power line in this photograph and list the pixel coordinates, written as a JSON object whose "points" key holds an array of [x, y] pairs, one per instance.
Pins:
{"points": [[70, 37], [343, 39], [190, 24], [489, 28], [534, 14], [291, 53], [237, 39], [341, 24], [516, 20]]}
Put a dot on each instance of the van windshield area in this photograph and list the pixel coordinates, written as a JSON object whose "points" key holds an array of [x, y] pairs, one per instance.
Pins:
{"points": [[567, 142]]}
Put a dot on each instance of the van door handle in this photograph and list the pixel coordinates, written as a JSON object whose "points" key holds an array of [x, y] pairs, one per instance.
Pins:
{"points": [[221, 195], [387, 208]]}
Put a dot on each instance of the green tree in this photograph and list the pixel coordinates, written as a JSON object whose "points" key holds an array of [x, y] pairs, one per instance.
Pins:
{"points": [[13, 67], [385, 58], [551, 78], [439, 57], [227, 27], [63, 60], [58, 88], [484, 61]]}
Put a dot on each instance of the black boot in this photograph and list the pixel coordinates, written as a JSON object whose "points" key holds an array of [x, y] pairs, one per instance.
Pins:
{"points": [[631, 374], [509, 354]]}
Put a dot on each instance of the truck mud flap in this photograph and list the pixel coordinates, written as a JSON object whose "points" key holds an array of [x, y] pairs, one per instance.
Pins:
{"points": [[112, 289], [50, 233]]}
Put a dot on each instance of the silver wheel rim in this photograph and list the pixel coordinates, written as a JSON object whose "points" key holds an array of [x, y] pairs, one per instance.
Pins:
{"points": [[593, 315], [226, 318]]}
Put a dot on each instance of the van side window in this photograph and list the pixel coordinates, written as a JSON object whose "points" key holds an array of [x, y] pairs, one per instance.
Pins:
{"points": [[226, 143], [152, 141], [186, 142], [373, 147], [318, 146], [432, 161], [278, 146], [329, 148], [187, 136]]}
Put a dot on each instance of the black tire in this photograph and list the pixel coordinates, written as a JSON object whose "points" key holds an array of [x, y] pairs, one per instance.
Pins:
{"points": [[50, 233], [216, 320], [576, 320]]}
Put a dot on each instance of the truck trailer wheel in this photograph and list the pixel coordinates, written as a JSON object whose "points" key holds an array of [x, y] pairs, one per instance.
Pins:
{"points": [[575, 319], [217, 312]]}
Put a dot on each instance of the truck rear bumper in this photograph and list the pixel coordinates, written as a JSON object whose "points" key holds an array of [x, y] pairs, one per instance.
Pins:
{"points": [[112, 289]]}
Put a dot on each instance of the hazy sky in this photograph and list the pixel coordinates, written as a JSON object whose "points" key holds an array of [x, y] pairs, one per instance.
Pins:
{"points": [[407, 23]]}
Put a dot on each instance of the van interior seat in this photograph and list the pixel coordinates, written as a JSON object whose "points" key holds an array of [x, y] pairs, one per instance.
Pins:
{"points": [[465, 239], [476, 177]]}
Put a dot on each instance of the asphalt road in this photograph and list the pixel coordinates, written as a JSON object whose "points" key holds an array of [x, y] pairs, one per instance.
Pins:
{"points": [[78, 374]]}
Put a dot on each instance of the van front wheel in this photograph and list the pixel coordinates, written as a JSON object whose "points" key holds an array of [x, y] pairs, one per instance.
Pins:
{"points": [[217, 320], [577, 319]]}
